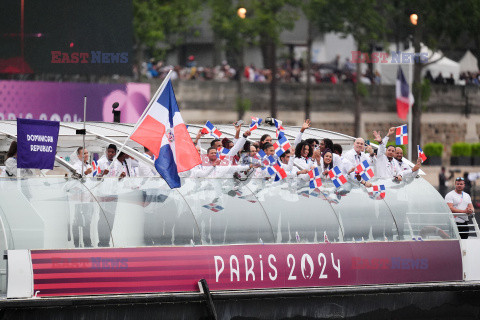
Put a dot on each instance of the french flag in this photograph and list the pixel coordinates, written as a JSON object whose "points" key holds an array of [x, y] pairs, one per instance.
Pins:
{"points": [[404, 96], [421, 154], [401, 135], [255, 123], [281, 145], [210, 128], [164, 133]]}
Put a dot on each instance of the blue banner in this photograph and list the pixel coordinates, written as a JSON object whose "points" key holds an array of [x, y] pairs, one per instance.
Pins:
{"points": [[36, 143]]}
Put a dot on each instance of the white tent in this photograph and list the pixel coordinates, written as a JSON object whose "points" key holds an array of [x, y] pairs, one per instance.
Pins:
{"points": [[468, 62], [446, 66]]}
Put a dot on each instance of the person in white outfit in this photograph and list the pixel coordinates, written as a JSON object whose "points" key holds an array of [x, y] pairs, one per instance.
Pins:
{"points": [[460, 202], [303, 157], [386, 167], [405, 170], [105, 162], [357, 155], [83, 157], [11, 169], [144, 170]]}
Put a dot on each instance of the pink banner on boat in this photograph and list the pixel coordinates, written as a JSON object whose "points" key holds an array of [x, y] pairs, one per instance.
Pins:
{"points": [[178, 269], [63, 101]]}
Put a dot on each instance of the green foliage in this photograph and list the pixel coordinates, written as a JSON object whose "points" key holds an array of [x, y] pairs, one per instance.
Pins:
{"points": [[243, 105], [390, 143], [461, 149], [434, 149], [425, 90], [476, 149], [362, 90], [167, 21]]}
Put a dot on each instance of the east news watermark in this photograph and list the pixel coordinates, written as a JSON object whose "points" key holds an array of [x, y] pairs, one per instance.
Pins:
{"points": [[93, 57], [395, 57]]}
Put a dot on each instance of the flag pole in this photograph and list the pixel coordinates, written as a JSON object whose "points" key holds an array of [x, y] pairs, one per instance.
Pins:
{"points": [[140, 120], [410, 115], [84, 119]]}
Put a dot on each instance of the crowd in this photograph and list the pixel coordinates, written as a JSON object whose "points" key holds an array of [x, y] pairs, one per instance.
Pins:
{"points": [[290, 71]]}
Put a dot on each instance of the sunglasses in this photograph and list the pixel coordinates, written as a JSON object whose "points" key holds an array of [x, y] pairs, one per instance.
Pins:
{"points": [[460, 179]]}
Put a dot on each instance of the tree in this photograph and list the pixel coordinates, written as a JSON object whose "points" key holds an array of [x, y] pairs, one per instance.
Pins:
{"points": [[363, 20], [236, 32], [162, 21], [271, 17], [323, 16]]}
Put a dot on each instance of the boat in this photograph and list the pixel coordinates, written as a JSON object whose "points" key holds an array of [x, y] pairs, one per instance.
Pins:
{"points": [[224, 248]]}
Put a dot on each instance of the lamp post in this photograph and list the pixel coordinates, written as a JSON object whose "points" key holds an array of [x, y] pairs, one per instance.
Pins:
{"points": [[414, 21]]}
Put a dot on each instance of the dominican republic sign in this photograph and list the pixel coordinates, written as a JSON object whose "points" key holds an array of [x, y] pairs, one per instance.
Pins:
{"points": [[178, 269], [36, 143]]}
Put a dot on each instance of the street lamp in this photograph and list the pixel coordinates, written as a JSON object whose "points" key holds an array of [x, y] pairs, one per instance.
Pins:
{"points": [[242, 12], [414, 19]]}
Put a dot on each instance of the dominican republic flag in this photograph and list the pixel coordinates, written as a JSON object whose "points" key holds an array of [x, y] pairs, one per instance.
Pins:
{"points": [[401, 135], [210, 128], [379, 190], [95, 168], [404, 95], [281, 145], [255, 123], [222, 153], [337, 177], [164, 133], [278, 171], [213, 207], [421, 154], [315, 178], [278, 125], [365, 171]]}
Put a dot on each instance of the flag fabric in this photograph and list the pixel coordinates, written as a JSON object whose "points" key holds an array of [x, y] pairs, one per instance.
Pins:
{"points": [[364, 170], [404, 95], [379, 190], [278, 171], [164, 133], [95, 168], [210, 128], [255, 123], [325, 237], [213, 207], [222, 153], [281, 145], [278, 125], [36, 143], [315, 178], [421, 154], [337, 177], [401, 135]]}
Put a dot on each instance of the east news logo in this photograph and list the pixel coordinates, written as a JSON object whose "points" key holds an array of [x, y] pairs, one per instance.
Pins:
{"points": [[89, 57]]}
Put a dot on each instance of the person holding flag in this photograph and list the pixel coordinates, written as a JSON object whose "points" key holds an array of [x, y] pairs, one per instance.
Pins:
{"points": [[83, 156], [386, 166], [405, 169]]}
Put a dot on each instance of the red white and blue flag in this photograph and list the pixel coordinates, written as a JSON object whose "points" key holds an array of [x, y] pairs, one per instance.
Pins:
{"points": [[401, 135], [337, 177], [315, 178], [95, 168], [164, 133], [421, 154], [379, 190], [281, 145], [365, 171], [222, 153], [210, 128], [255, 123], [278, 171], [278, 125], [213, 207], [404, 95]]}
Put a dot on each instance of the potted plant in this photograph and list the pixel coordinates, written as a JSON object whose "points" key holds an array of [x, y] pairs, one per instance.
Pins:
{"points": [[461, 154], [476, 154], [434, 152]]}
